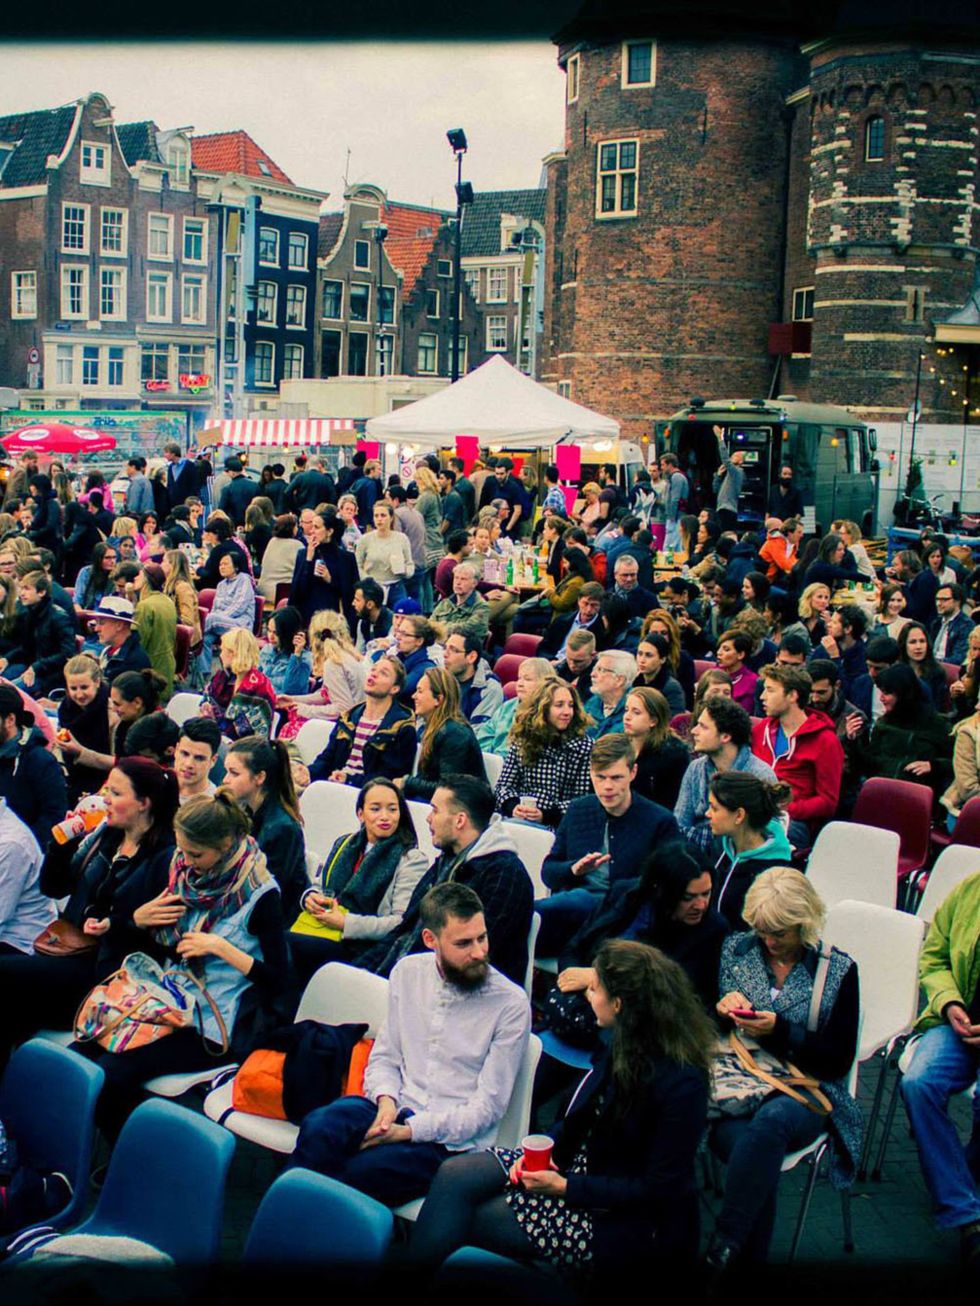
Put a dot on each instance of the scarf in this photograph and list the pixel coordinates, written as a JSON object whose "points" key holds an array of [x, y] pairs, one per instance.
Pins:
{"points": [[216, 894], [358, 874]]}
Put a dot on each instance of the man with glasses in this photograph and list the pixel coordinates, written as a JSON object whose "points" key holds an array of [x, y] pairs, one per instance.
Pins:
{"points": [[950, 632], [612, 676], [586, 617]]}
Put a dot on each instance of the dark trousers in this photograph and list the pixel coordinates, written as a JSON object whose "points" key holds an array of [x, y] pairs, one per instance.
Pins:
{"points": [[466, 1207], [310, 953], [727, 519], [754, 1148], [329, 1142], [561, 916], [181, 1052], [39, 992]]}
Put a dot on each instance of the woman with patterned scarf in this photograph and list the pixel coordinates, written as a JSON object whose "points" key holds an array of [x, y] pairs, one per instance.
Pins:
{"points": [[220, 919], [240, 697]]}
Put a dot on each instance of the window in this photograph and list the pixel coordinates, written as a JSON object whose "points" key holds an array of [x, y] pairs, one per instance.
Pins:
{"points": [[444, 267], [496, 285], [383, 345], [112, 294], [915, 303], [292, 363], [471, 276], [74, 228], [155, 363], [266, 304], [565, 389], [95, 164], [193, 304], [432, 303], [874, 140], [74, 293], [265, 360], [571, 79], [333, 299], [298, 252], [362, 253], [360, 303], [159, 307], [23, 294], [179, 162], [296, 306], [463, 355], [330, 360], [191, 360], [90, 365], [639, 63], [357, 351], [496, 332], [114, 367], [64, 365], [428, 353], [114, 232], [803, 304], [387, 301], [160, 236], [616, 179], [195, 240], [269, 246]]}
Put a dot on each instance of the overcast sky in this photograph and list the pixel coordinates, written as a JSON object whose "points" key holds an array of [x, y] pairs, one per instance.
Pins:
{"points": [[306, 105]]}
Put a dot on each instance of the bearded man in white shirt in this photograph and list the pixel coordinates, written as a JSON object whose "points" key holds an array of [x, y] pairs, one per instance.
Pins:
{"points": [[443, 1067]]}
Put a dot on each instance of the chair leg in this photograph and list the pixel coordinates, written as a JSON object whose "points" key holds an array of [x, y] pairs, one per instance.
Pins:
{"points": [[886, 1130], [873, 1119], [811, 1183], [845, 1213]]}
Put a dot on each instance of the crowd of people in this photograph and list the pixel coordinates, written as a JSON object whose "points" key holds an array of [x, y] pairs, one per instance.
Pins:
{"points": [[684, 739]]}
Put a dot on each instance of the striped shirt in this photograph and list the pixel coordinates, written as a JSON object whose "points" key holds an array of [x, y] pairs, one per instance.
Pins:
{"points": [[362, 733]]}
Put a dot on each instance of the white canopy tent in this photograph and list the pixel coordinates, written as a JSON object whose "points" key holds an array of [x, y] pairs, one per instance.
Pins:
{"points": [[499, 405]]}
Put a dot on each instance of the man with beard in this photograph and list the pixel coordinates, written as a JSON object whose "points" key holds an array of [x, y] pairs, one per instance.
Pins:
{"points": [[443, 1067]]}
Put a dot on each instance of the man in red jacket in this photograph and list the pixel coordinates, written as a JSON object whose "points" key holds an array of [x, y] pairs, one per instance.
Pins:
{"points": [[802, 748]]}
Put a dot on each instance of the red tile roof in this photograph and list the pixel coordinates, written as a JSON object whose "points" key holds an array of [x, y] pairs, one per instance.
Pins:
{"points": [[412, 232], [330, 225], [234, 152]]}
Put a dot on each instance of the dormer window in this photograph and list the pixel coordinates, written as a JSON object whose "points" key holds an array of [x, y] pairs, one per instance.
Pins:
{"points": [[179, 161], [95, 164]]}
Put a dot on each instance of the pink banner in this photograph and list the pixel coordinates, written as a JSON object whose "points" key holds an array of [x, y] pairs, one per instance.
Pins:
{"points": [[371, 447], [571, 494], [468, 448], [518, 464], [568, 460]]}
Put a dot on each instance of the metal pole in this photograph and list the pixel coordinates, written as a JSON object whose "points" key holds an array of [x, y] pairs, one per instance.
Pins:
{"points": [[457, 270]]}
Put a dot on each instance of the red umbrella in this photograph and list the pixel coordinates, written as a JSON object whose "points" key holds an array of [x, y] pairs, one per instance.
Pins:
{"points": [[57, 437]]}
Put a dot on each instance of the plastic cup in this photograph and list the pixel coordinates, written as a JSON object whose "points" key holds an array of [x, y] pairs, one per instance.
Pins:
{"points": [[537, 1151], [528, 800]]}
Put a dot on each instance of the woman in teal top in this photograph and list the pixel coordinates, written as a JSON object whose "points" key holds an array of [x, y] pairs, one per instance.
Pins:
{"points": [[494, 733]]}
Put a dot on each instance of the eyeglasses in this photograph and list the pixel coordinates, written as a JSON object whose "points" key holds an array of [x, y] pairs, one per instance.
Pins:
{"points": [[604, 671]]}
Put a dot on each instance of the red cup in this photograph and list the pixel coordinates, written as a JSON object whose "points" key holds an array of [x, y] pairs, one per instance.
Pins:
{"points": [[537, 1151]]}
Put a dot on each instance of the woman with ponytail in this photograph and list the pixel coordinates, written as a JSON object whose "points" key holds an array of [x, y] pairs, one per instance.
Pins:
{"points": [[259, 774], [745, 813]]}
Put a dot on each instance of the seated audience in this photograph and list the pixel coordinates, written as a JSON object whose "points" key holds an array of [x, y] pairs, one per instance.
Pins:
{"points": [[94, 580], [964, 690], [25, 911], [910, 740], [238, 696], [447, 744], [783, 615], [744, 814], [654, 671], [465, 611], [178, 585], [372, 615], [950, 632], [43, 639], [721, 736], [662, 757], [626, 584], [966, 768], [217, 538], [843, 643], [833, 565], [578, 662], [714, 681], [324, 574], [84, 715], [891, 606], [547, 764], [122, 649], [882, 651], [156, 623], [278, 561], [679, 660], [132, 696], [480, 692], [285, 659], [233, 608], [612, 676], [733, 649], [414, 637], [494, 732], [375, 739], [814, 605], [915, 651], [194, 756]]}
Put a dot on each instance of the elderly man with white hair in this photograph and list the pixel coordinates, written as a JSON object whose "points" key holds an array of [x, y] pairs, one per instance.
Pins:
{"points": [[612, 676], [465, 610]]}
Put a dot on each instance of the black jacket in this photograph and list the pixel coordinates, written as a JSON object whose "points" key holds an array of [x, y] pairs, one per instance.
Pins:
{"points": [[310, 594], [236, 496], [43, 639], [130, 656], [390, 752], [281, 839], [659, 772], [455, 752], [90, 726], [208, 574], [45, 528], [33, 783], [309, 490], [183, 484]]}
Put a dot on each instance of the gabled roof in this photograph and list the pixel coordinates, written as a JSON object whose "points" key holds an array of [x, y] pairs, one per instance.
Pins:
{"points": [[330, 224], [412, 233], [235, 152], [40, 133], [481, 219], [138, 142]]}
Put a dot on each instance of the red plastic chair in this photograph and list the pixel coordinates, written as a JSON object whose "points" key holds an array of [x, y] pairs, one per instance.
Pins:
{"points": [[525, 646], [904, 807], [701, 665], [506, 666], [952, 671], [182, 649], [682, 724], [510, 689], [282, 592], [965, 831], [205, 599], [259, 613]]}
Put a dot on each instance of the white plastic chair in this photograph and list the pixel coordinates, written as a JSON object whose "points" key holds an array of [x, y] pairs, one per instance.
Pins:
{"points": [[533, 847], [312, 739], [420, 812], [493, 764], [859, 862], [328, 811], [336, 995], [956, 862], [182, 707], [532, 939]]}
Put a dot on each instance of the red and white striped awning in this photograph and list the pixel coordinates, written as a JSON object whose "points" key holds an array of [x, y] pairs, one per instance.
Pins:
{"points": [[288, 433]]}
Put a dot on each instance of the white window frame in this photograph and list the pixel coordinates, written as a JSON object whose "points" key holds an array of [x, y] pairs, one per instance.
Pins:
{"points": [[618, 172], [86, 212], [274, 233], [493, 273], [799, 298], [168, 223], [471, 279], [269, 315], [203, 224], [187, 281], [83, 313], [265, 345], [23, 295], [295, 236], [444, 267], [434, 347], [185, 367], [90, 174], [178, 161], [292, 352], [118, 276], [632, 86], [294, 289], [490, 346], [428, 312], [123, 251], [165, 279], [120, 362], [91, 385], [64, 365], [464, 354], [387, 290], [358, 245], [157, 350], [359, 285], [339, 316], [573, 73]]}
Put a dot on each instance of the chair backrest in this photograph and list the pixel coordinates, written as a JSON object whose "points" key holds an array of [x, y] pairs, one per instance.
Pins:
{"points": [[282, 591], [902, 806], [682, 724], [967, 828], [259, 613], [514, 1125], [312, 739], [507, 666], [855, 861], [510, 689], [184, 706], [166, 1182], [952, 672], [307, 1219], [493, 764], [420, 812], [701, 665], [885, 944], [182, 649], [532, 941], [533, 847], [525, 646], [205, 598], [328, 812], [340, 995], [47, 1103], [954, 864]]}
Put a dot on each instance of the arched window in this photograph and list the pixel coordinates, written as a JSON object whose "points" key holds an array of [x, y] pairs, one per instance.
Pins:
{"points": [[874, 139]]}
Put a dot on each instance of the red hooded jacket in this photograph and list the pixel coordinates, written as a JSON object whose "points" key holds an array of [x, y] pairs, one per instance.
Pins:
{"points": [[812, 767]]}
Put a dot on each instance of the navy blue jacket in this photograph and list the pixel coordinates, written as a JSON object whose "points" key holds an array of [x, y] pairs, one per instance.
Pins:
{"points": [[958, 639], [33, 783], [631, 836]]}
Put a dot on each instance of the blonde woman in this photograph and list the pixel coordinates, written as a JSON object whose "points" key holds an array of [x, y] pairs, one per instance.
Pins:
{"points": [[338, 667], [179, 586], [238, 696], [494, 733], [547, 764], [448, 745], [662, 622], [966, 768], [589, 513], [814, 602], [850, 532]]}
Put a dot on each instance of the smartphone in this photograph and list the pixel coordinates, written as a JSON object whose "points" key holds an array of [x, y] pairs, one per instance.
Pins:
{"points": [[744, 1013]]}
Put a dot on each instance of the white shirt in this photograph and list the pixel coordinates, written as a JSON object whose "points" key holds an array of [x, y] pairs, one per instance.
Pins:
{"points": [[24, 910], [449, 1055]]}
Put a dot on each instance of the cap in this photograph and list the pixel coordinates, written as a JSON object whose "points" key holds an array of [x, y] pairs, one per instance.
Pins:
{"points": [[408, 608], [114, 608], [233, 463]]}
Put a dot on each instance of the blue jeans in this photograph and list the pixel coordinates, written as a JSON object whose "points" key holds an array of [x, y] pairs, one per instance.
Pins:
{"points": [[561, 916], [396, 592], [942, 1065], [213, 631], [393, 1173], [427, 594], [672, 536]]}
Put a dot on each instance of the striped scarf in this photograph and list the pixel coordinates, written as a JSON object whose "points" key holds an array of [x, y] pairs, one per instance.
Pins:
{"points": [[216, 894]]}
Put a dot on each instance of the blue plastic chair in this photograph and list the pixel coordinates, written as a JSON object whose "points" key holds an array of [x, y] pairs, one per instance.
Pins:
{"points": [[47, 1104], [556, 1048], [309, 1219], [166, 1183]]}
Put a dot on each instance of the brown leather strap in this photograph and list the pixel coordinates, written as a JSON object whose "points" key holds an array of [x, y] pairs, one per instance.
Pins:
{"points": [[790, 1084]]}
